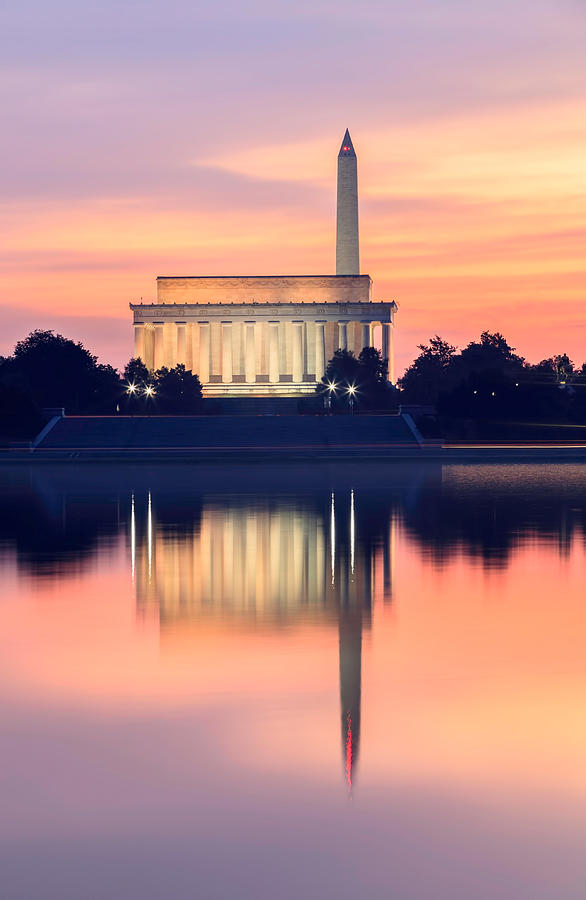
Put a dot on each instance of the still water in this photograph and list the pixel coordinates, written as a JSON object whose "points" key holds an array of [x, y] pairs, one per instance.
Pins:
{"points": [[285, 682]]}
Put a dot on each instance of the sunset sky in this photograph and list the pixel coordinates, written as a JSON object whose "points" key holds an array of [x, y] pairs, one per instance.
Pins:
{"points": [[181, 137]]}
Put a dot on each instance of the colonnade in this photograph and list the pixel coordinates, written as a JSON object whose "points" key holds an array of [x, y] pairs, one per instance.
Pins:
{"points": [[269, 559], [252, 351]]}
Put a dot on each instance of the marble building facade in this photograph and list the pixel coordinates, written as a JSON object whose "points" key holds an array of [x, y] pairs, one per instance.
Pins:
{"points": [[245, 346]]}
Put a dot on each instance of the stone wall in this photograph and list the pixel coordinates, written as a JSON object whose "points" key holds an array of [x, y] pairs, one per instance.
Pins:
{"points": [[265, 289]]}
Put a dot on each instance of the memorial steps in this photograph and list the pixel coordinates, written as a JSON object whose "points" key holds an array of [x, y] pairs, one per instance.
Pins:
{"points": [[227, 436], [253, 406]]}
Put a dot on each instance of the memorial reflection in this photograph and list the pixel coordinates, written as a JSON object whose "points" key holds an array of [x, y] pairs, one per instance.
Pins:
{"points": [[56, 520], [269, 562], [270, 547]]}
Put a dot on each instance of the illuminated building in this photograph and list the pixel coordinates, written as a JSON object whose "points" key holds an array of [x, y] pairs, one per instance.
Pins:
{"points": [[269, 335]]}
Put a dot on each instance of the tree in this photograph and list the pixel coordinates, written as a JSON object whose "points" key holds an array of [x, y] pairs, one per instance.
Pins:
{"points": [[177, 391], [491, 352], [19, 417], [362, 380], [55, 371], [135, 372], [430, 373], [138, 386]]}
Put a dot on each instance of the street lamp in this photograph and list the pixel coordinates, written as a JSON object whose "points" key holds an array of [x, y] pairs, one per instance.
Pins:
{"points": [[328, 397], [149, 391], [351, 390], [131, 389]]}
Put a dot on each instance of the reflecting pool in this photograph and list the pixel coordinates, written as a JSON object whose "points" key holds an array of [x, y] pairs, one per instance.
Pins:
{"points": [[293, 681]]}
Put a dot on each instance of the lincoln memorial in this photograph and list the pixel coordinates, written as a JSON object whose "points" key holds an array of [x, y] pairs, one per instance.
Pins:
{"points": [[269, 335]]}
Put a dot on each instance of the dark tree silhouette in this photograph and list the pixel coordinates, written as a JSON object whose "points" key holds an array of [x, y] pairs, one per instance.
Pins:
{"points": [[139, 387], [430, 373], [491, 352], [135, 372], [363, 378], [20, 419], [487, 390], [177, 391], [55, 371]]}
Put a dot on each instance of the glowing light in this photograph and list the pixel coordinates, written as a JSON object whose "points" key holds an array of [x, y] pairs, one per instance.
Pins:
{"points": [[131, 389], [149, 390], [492, 394], [332, 386], [351, 389]]}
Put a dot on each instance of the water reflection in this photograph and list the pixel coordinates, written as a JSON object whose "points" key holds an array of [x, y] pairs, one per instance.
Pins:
{"points": [[199, 662], [486, 512], [280, 553], [56, 519], [269, 561]]}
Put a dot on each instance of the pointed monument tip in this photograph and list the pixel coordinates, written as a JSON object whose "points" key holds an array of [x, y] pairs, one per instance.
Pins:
{"points": [[347, 148]]}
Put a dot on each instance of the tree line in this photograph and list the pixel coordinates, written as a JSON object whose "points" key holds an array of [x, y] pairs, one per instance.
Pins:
{"points": [[48, 370], [485, 389]]}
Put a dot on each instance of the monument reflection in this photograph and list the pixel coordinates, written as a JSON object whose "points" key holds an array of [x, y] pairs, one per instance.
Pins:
{"points": [[269, 562]]}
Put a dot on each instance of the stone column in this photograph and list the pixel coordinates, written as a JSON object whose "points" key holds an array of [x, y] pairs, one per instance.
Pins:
{"points": [[274, 373], [391, 350], [149, 347], [204, 352], [342, 336], [320, 350], [227, 352], [238, 353], [194, 340], [297, 364], [181, 344], [159, 360], [188, 348], [366, 339], [170, 344], [249, 353], [215, 350], [387, 346], [139, 351]]}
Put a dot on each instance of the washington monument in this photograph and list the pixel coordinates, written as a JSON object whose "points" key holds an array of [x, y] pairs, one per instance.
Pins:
{"points": [[347, 256]]}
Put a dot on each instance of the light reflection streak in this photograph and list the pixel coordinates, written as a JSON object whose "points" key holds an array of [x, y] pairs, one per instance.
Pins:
{"points": [[132, 536], [150, 535], [352, 532], [333, 539]]}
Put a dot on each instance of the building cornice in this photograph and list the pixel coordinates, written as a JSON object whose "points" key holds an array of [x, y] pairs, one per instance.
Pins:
{"points": [[371, 309], [258, 277]]}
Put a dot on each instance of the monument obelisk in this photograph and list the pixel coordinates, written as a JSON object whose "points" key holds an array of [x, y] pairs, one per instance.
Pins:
{"points": [[347, 258]]}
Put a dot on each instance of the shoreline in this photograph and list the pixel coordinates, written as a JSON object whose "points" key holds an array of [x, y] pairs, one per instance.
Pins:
{"points": [[445, 455]]}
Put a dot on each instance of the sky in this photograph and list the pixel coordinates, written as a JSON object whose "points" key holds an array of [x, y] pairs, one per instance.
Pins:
{"points": [[188, 138]]}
